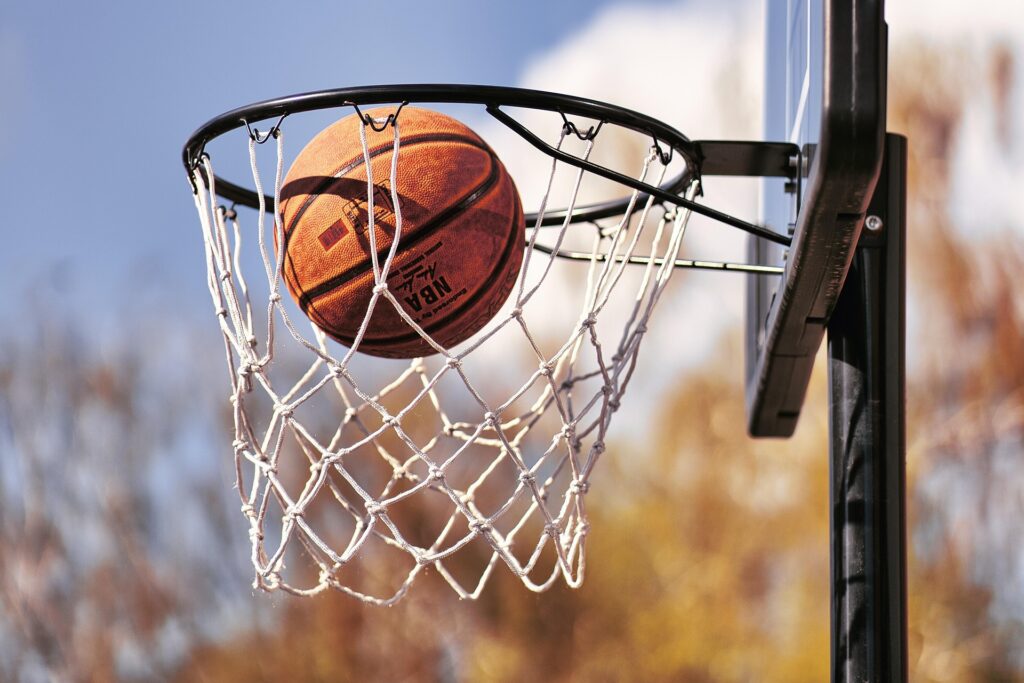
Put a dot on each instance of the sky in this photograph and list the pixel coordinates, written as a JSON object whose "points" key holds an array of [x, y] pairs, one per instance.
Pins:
{"points": [[98, 99]]}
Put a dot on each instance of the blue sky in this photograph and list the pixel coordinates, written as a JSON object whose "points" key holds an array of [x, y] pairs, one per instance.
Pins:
{"points": [[99, 97]]}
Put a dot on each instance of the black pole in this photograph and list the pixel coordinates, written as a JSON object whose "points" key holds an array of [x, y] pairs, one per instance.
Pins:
{"points": [[868, 444]]}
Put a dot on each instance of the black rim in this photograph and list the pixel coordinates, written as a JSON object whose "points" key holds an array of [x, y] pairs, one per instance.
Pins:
{"points": [[666, 140]]}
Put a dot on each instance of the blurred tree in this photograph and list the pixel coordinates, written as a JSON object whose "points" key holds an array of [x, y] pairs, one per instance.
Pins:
{"points": [[966, 408], [98, 569], [124, 560], [709, 551], [709, 562]]}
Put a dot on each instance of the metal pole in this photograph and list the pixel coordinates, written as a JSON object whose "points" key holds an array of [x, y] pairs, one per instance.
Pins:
{"points": [[868, 445]]}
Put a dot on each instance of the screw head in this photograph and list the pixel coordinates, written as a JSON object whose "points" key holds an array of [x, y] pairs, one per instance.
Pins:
{"points": [[873, 223]]}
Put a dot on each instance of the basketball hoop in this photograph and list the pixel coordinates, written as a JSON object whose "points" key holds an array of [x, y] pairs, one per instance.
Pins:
{"points": [[358, 473]]}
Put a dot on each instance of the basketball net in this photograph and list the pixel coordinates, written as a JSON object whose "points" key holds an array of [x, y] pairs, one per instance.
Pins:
{"points": [[363, 474]]}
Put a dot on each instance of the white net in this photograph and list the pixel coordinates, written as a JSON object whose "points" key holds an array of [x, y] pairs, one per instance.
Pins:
{"points": [[363, 474]]}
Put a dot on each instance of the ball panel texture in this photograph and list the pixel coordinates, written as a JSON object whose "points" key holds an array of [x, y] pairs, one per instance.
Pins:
{"points": [[459, 252]]}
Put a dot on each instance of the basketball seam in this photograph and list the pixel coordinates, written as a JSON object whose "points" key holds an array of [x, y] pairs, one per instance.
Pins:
{"points": [[427, 229], [304, 300], [424, 231], [375, 152], [500, 265]]}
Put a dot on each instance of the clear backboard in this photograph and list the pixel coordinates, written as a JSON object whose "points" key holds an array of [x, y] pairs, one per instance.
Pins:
{"points": [[824, 91]]}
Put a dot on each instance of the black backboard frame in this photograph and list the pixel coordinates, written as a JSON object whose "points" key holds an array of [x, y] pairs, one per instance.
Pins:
{"points": [[786, 320]]}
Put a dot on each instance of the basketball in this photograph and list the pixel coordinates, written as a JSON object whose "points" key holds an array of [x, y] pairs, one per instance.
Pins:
{"points": [[462, 232]]}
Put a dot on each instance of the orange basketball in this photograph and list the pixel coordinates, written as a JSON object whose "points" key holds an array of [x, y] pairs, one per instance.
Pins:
{"points": [[459, 252]]}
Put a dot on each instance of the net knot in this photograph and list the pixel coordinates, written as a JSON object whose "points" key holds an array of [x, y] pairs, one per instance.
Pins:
{"points": [[238, 445], [546, 368], [252, 341], [350, 414], [588, 322], [247, 509], [275, 297], [390, 420], [453, 363], [324, 577], [480, 526], [517, 313], [579, 487], [553, 529], [527, 477], [247, 369], [284, 410], [423, 560], [490, 419], [436, 473], [290, 516], [373, 508], [225, 275], [641, 328], [255, 533], [614, 404], [598, 447], [607, 389], [380, 288], [222, 312], [582, 528]]}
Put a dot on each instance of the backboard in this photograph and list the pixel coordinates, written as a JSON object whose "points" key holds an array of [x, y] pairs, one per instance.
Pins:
{"points": [[825, 81]]}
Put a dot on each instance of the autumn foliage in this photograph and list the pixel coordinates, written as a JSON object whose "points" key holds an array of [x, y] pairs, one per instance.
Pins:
{"points": [[708, 553]]}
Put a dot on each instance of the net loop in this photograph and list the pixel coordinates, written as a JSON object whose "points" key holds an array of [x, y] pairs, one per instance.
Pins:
{"points": [[663, 156], [570, 127], [378, 124], [260, 138]]}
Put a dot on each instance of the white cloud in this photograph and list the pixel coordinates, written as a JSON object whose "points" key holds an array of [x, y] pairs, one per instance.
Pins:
{"points": [[988, 142], [988, 168], [697, 66], [674, 63], [944, 20]]}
